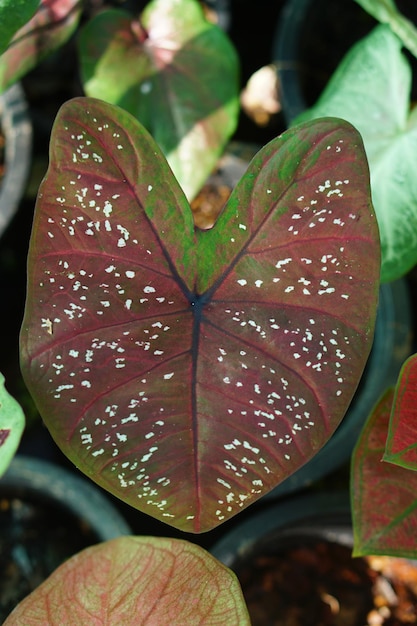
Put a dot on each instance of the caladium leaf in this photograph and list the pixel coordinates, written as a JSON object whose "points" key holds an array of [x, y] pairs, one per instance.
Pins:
{"points": [[401, 446], [384, 502], [50, 27], [175, 72], [186, 371], [371, 89], [137, 580], [12, 423], [13, 15]]}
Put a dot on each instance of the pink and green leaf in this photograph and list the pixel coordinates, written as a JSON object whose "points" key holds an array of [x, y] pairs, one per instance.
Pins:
{"points": [[189, 372], [12, 423], [384, 496], [50, 27], [175, 72], [137, 580], [401, 447]]}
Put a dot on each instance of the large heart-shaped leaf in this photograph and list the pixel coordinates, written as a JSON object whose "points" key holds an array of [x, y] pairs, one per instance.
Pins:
{"points": [[175, 72], [401, 446], [137, 580], [371, 89], [50, 27], [12, 423], [384, 502], [186, 371]]}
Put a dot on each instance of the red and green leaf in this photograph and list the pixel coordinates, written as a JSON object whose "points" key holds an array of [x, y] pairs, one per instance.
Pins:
{"points": [[50, 27], [384, 500], [189, 372], [174, 71], [137, 580], [401, 447]]}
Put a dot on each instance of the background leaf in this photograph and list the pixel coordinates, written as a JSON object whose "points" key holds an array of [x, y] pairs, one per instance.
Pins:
{"points": [[371, 89], [401, 445], [384, 502], [175, 72], [137, 580], [387, 13], [190, 372], [12, 424], [50, 27], [13, 15]]}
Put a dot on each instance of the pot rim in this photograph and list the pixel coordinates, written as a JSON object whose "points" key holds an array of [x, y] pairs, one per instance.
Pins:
{"points": [[65, 490], [327, 514]]}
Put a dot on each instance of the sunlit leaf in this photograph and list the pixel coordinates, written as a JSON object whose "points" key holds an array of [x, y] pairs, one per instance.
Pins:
{"points": [[384, 496], [137, 580], [371, 89], [12, 423], [189, 372]]}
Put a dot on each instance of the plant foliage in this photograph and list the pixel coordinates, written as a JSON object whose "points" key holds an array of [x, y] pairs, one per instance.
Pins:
{"points": [[48, 29], [174, 71], [401, 447], [386, 12], [384, 504], [12, 423], [13, 15], [137, 580], [187, 371], [371, 89]]}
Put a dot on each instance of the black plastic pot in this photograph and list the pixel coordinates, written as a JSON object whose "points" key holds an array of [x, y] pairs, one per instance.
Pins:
{"points": [[294, 563], [47, 514], [17, 131]]}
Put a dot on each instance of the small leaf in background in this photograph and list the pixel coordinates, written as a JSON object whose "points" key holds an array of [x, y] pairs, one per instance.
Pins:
{"points": [[384, 496], [50, 27], [137, 580], [177, 73], [386, 12], [13, 15], [189, 372], [401, 447], [12, 423], [371, 89]]}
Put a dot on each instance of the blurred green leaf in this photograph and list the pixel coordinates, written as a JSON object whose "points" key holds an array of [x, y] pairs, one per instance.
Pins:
{"points": [[12, 423], [13, 15], [50, 27], [175, 72]]}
